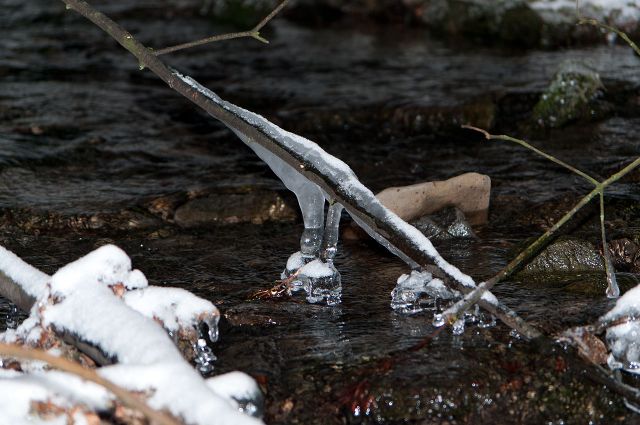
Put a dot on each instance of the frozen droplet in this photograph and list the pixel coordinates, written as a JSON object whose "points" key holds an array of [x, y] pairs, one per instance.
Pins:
{"points": [[322, 282], [458, 327], [204, 357], [438, 320], [13, 317]]}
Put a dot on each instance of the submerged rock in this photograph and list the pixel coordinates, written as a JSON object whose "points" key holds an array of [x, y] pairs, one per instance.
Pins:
{"points": [[570, 97], [445, 224], [230, 208]]}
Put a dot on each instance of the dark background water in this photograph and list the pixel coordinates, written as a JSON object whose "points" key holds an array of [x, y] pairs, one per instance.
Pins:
{"points": [[84, 132]]}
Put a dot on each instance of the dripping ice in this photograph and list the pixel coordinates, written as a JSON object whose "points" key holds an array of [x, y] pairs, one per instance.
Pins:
{"points": [[311, 268]]}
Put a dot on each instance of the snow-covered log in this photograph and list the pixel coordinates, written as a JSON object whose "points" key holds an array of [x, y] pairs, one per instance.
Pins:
{"points": [[102, 301]]}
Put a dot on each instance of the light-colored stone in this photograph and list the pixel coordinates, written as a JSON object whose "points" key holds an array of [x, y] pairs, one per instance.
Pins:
{"points": [[470, 192]]}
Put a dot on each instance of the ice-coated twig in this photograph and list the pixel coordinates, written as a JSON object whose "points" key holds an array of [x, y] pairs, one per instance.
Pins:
{"points": [[126, 397], [362, 205], [613, 291], [252, 33]]}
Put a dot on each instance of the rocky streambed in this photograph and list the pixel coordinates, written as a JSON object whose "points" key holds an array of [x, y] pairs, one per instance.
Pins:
{"points": [[96, 151]]}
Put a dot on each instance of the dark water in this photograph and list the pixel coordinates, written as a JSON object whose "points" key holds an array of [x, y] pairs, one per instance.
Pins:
{"points": [[83, 131]]}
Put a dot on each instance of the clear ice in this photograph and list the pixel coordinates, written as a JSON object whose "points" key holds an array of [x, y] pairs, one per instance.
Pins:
{"points": [[340, 179]]}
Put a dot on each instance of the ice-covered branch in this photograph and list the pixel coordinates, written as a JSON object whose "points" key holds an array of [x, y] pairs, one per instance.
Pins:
{"points": [[307, 167]]}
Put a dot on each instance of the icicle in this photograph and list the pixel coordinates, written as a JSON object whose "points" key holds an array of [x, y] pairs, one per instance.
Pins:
{"points": [[204, 357], [331, 232]]}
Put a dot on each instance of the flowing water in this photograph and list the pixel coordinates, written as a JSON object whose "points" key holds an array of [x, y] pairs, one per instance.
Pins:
{"points": [[84, 132]]}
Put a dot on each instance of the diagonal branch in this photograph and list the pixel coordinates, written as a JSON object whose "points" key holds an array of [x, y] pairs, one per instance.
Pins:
{"points": [[397, 235], [252, 33], [458, 309]]}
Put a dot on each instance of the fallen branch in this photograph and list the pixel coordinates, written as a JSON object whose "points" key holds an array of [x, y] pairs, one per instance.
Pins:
{"points": [[457, 310], [307, 159]]}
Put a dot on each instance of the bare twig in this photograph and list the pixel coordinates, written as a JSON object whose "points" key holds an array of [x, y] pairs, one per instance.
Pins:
{"points": [[520, 142], [252, 33], [621, 34], [126, 397]]}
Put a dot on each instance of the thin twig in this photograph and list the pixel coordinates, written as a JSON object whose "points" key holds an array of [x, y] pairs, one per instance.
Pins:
{"points": [[621, 34], [127, 398], [521, 142], [252, 33]]}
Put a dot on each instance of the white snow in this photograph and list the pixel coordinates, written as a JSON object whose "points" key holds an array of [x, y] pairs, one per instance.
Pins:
{"points": [[620, 12], [32, 280], [624, 339], [295, 261], [174, 307], [81, 301], [107, 265], [626, 305], [18, 391], [234, 386], [316, 269]]}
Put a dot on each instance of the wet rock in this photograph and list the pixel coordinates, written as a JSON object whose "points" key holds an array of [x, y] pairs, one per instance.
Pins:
{"points": [[445, 224], [566, 255], [503, 21], [625, 254], [468, 192], [529, 23], [571, 96], [35, 222], [229, 208], [573, 264]]}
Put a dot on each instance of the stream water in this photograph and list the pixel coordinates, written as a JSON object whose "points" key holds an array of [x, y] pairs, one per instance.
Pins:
{"points": [[84, 134]]}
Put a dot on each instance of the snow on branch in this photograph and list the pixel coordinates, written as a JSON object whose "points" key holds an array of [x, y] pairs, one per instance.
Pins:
{"points": [[103, 302]]}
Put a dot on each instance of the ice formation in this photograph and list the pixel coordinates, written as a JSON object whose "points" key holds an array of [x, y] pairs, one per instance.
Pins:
{"points": [[419, 291], [315, 177], [85, 298], [623, 332]]}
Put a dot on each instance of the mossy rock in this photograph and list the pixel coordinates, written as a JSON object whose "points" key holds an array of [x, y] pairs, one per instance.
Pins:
{"points": [[571, 96]]}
